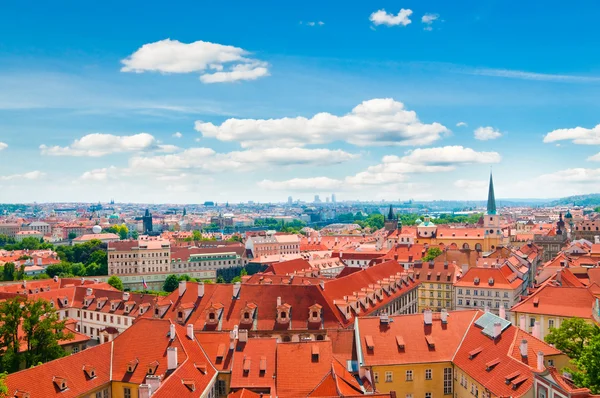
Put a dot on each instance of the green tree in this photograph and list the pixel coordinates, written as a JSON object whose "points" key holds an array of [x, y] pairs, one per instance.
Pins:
{"points": [[196, 236], [432, 253], [587, 373], [135, 234], [572, 336], [123, 232], [220, 279], [171, 283], [243, 272], [72, 235], [115, 282], [20, 275], [8, 273], [11, 313], [235, 238], [6, 240], [3, 387]]}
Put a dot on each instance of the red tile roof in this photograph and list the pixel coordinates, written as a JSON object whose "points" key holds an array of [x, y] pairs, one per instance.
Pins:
{"points": [[254, 364], [551, 301]]}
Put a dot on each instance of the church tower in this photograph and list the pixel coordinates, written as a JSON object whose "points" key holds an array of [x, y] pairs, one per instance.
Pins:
{"points": [[491, 220]]}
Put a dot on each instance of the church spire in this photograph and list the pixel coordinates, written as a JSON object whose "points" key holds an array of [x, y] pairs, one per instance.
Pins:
{"points": [[491, 203], [391, 214]]}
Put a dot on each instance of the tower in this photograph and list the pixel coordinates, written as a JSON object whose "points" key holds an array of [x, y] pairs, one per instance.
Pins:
{"points": [[147, 222], [390, 223], [491, 220]]}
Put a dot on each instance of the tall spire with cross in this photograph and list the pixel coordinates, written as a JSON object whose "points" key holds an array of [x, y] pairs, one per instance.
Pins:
{"points": [[491, 202]]}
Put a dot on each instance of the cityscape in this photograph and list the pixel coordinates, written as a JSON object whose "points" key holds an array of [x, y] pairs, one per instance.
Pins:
{"points": [[237, 200]]}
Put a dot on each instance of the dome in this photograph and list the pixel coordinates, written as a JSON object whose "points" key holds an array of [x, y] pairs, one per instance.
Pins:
{"points": [[114, 217], [96, 229], [418, 221], [568, 215]]}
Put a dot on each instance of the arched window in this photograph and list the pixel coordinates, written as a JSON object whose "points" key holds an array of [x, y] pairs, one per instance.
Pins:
{"points": [[465, 246]]}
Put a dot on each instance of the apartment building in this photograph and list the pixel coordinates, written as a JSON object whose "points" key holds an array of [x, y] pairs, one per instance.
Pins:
{"points": [[144, 256], [436, 291], [9, 230], [273, 244]]}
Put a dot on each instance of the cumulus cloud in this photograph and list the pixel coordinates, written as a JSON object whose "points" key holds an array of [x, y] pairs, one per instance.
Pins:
{"points": [[577, 135], [475, 185], [574, 175], [381, 121], [487, 133], [313, 23], [461, 124], [394, 169], [98, 174], [178, 135], [31, 175], [429, 19], [3, 146], [209, 59], [97, 144], [381, 17]]}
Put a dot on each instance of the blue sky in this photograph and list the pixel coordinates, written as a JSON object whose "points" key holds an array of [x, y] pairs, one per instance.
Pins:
{"points": [[195, 101]]}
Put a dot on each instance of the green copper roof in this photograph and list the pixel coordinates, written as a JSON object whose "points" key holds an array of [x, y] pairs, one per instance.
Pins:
{"points": [[491, 204]]}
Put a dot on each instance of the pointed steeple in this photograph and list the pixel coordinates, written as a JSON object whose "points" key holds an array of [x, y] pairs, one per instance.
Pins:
{"points": [[491, 203], [391, 214]]}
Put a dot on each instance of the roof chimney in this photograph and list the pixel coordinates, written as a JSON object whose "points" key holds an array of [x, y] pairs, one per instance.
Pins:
{"points": [[172, 331], [39, 261], [445, 264], [444, 315], [464, 268], [497, 329], [535, 332], [89, 291], [55, 278], [171, 358], [182, 287], [190, 331], [243, 335], [540, 360], [125, 296], [200, 289], [523, 348], [154, 382], [522, 322], [279, 301], [427, 317], [236, 289], [144, 391], [322, 284], [502, 312]]}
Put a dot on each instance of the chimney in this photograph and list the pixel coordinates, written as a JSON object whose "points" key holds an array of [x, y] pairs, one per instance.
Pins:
{"points": [[410, 258], [39, 261], [55, 278], [171, 358], [89, 291], [182, 287], [322, 284], [502, 312], [83, 281], [172, 331], [535, 332], [522, 322], [125, 296], [497, 329], [464, 268], [523, 348], [236, 289], [444, 315], [190, 331], [154, 382], [427, 317], [243, 336], [200, 289], [278, 301], [540, 360], [445, 264], [144, 391]]}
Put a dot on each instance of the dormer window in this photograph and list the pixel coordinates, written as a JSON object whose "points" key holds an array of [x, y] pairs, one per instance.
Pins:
{"points": [[156, 312], [131, 365], [90, 371], [152, 368], [179, 314], [315, 314], [211, 316], [65, 302], [60, 382], [246, 315], [283, 314]]}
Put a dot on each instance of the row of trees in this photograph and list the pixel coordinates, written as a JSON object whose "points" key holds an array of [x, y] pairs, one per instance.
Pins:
{"points": [[122, 231], [41, 331]]}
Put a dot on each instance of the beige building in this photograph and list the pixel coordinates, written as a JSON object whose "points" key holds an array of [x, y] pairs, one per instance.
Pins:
{"points": [[39, 226], [273, 245], [9, 230], [143, 256], [28, 234]]}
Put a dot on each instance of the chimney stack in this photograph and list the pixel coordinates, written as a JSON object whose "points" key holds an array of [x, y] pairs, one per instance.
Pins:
{"points": [[322, 284], [278, 301], [428, 317], [535, 332], [200, 289], [182, 287], [540, 361], [464, 268], [497, 329], [154, 382], [89, 291], [444, 315], [144, 391], [243, 335], [522, 324], [523, 348], [190, 331], [171, 358], [172, 331], [502, 312], [125, 296], [236, 289]]}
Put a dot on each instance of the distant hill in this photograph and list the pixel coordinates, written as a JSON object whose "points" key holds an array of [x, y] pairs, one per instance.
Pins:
{"points": [[592, 199]]}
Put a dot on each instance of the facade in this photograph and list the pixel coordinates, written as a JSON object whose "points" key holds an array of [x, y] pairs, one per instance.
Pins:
{"points": [[42, 227], [274, 245], [143, 256], [9, 230], [19, 236], [436, 291], [207, 258], [584, 229]]}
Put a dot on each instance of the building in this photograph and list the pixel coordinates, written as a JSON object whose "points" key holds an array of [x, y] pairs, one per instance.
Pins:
{"points": [[494, 288], [104, 238], [281, 245], [583, 229], [19, 236], [207, 258], [552, 383], [461, 354], [42, 227], [551, 242], [9, 230], [143, 256], [436, 291], [147, 222]]}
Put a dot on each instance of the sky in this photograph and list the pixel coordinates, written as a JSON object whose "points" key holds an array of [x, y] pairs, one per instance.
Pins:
{"points": [[234, 101]]}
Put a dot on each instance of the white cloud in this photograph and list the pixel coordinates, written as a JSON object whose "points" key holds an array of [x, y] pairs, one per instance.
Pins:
{"points": [[313, 23], [31, 175], [487, 133], [461, 124], [578, 135], [393, 169], [518, 74], [98, 174], [381, 121], [381, 17], [178, 135], [428, 20], [172, 56], [3, 146], [573, 176], [475, 185], [96, 145]]}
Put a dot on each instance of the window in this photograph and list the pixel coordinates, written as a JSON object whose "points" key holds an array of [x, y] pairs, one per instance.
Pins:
{"points": [[389, 377], [551, 362], [221, 387], [409, 375], [427, 374], [409, 396], [532, 322], [447, 381], [551, 323], [427, 395], [459, 301], [459, 291], [126, 392], [376, 377]]}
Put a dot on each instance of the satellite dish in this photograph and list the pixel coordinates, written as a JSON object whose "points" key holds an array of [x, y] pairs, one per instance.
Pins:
{"points": [[97, 229]]}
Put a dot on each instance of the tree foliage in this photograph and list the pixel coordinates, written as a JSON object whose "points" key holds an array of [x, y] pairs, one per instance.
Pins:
{"points": [[432, 253], [115, 282], [171, 283], [572, 336]]}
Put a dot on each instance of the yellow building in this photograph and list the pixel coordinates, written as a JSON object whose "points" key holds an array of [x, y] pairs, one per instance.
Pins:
{"points": [[450, 353], [436, 290]]}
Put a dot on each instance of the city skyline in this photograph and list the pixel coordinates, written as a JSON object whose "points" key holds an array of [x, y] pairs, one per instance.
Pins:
{"points": [[381, 101]]}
